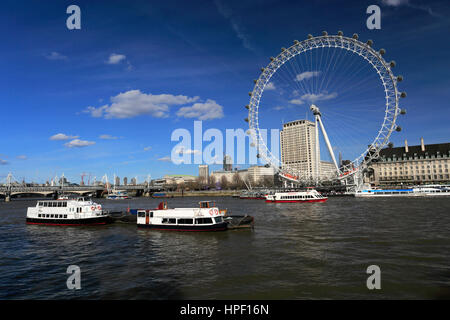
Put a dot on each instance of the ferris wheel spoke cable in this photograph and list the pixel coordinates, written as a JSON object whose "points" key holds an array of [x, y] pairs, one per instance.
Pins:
{"points": [[342, 54], [344, 85], [328, 65], [298, 72]]}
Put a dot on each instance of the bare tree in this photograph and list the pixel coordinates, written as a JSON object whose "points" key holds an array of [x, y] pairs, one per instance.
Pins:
{"points": [[268, 182], [212, 182], [224, 182], [237, 182]]}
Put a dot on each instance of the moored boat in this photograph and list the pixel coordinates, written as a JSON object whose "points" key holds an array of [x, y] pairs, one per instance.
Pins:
{"points": [[252, 195], [310, 195], [118, 195], [207, 217], [417, 191], [67, 212]]}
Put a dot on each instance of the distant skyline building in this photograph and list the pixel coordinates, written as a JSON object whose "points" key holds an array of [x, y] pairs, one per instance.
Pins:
{"points": [[133, 181], [117, 181], [125, 181], [227, 163], [203, 173], [258, 174]]}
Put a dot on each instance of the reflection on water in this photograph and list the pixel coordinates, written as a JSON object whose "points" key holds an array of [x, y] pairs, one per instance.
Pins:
{"points": [[296, 251]]}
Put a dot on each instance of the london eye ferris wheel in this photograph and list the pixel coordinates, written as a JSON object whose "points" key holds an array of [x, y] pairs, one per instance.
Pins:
{"points": [[339, 85]]}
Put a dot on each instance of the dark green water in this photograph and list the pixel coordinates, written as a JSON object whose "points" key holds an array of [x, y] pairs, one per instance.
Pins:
{"points": [[296, 251]]}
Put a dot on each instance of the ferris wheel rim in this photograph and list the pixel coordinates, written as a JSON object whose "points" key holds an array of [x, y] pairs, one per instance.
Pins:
{"points": [[364, 50]]}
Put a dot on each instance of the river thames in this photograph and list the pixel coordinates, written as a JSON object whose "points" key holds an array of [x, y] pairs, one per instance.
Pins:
{"points": [[295, 251]]}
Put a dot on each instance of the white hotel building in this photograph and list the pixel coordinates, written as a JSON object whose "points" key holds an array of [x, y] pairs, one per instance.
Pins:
{"points": [[298, 149]]}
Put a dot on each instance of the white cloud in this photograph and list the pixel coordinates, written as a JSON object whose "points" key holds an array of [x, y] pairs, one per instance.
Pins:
{"points": [[237, 27], [278, 108], [167, 159], [77, 143], [147, 148], [270, 86], [3, 162], [62, 136], [202, 111], [306, 75], [115, 58], [107, 137], [296, 101], [22, 157], [182, 151], [398, 3], [318, 97], [395, 3], [134, 103], [55, 56]]}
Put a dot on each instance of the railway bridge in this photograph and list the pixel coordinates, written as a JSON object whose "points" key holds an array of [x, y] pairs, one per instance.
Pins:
{"points": [[9, 191]]}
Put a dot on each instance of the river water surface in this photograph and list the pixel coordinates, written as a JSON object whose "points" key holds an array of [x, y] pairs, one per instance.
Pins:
{"points": [[296, 251]]}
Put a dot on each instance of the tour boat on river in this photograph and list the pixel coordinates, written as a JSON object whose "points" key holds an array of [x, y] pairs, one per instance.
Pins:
{"points": [[252, 195], [310, 195], [118, 195], [207, 217], [418, 191], [67, 212]]}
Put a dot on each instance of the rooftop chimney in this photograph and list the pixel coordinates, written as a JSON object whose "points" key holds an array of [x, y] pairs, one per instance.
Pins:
{"points": [[406, 146], [422, 146]]}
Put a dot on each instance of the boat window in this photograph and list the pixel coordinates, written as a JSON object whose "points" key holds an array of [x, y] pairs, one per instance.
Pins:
{"points": [[39, 204], [65, 216], [185, 221], [52, 216], [47, 216], [64, 204], [203, 220], [141, 214], [151, 214], [218, 219], [169, 220], [39, 215], [59, 204]]}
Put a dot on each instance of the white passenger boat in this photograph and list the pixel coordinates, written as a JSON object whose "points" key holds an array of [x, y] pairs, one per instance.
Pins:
{"points": [[205, 218], [418, 191], [67, 212], [118, 195], [310, 195]]}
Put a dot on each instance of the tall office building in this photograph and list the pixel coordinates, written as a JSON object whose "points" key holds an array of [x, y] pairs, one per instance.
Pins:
{"points": [[125, 181], [298, 150], [227, 163], [203, 173], [298, 147]]}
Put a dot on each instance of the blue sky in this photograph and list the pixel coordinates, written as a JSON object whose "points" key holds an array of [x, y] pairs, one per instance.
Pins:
{"points": [[116, 89]]}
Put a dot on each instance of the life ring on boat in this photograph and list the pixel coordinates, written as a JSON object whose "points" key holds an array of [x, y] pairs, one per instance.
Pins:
{"points": [[92, 208], [99, 207], [211, 212]]}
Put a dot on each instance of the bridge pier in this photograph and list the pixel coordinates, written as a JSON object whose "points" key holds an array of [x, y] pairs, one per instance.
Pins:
{"points": [[7, 198]]}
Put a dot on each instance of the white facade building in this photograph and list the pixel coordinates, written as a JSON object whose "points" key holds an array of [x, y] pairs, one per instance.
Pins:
{"points": [[298, 150]]}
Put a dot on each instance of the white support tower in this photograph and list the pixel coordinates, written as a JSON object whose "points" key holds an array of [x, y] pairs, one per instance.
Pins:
{"points": [[318, 117]]}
